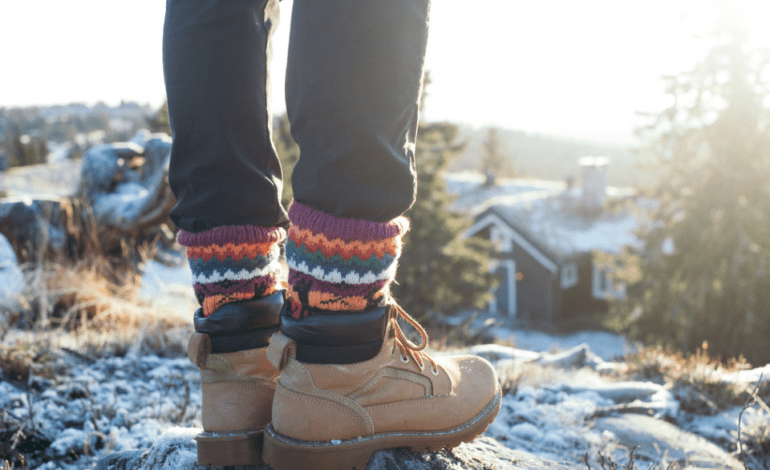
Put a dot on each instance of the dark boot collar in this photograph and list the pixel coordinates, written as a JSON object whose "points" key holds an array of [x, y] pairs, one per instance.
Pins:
{"points": [[239, 326], [337, 337]]}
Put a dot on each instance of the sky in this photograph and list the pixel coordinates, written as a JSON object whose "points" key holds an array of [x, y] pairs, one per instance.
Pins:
{"points": [[573, 68]]}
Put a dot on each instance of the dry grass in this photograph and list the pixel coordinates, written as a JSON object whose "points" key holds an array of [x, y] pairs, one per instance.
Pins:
{"points": [[697, 379], [755, 443], [605, 462], [89, 308], [754, 439], [10, 466]]}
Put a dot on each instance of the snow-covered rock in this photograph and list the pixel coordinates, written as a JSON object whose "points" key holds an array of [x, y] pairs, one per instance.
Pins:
{"points": [[573, 358], [121, 196], [606, 345], [634, 397], [662, 443], [102, 163], [620, 392], [11, 277], [748, 377]]}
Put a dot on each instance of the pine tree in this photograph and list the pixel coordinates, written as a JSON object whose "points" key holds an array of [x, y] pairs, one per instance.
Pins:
{"points": [[159, 122], [26, 150], [439, 270], [494, 161], [706, 265]]}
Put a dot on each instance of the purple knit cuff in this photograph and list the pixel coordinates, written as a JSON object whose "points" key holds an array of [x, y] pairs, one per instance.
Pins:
{"points": [[236, 234], [348, 230]]}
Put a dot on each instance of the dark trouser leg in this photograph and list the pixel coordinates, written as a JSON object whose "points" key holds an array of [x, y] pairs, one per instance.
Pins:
{"points": [[224, 170], [352, 90]]}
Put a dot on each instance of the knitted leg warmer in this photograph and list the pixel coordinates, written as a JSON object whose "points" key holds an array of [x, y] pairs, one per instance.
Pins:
{"points": [[338, 264], [231, 264]]}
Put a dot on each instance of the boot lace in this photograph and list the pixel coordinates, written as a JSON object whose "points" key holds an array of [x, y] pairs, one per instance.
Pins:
{"points": [[407, 347]]}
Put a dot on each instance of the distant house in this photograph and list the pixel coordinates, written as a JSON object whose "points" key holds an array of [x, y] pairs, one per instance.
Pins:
{"points": [[547, 237]]}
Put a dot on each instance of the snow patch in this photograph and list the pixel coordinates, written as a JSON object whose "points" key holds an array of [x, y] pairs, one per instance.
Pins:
{"points": [[749, 377], [605, 345], [11, 277]]}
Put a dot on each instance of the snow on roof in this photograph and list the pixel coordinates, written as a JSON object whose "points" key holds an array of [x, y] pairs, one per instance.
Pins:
{"points": [[548, 213], [473, 197], [564, 230], [594, 161]]}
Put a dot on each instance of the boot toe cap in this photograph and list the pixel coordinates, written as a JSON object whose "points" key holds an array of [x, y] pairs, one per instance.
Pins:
{"points": [[473, 378]]}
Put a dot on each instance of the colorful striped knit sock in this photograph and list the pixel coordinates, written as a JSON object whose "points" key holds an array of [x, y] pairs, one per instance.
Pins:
{"points": [[338, 264], [231, 264]]}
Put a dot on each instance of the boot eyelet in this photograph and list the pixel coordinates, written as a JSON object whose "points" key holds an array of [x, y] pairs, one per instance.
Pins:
{"points": [[405, 360], [434, 371], [421, 366]]}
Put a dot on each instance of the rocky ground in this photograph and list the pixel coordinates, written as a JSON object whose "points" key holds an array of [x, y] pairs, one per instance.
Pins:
{"points": [[560, 411]]}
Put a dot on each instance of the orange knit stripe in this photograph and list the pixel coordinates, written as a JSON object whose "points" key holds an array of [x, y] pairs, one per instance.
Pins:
{"points": [[213, 302], [231, 250], [328, 301], [336, 246]]}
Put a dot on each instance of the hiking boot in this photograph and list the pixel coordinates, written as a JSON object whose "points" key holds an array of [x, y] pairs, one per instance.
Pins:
{"points": [[237, 381], [335, 416]]}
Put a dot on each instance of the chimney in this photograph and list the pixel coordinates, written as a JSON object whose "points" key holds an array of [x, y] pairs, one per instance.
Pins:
{"points": [[594, 172]]}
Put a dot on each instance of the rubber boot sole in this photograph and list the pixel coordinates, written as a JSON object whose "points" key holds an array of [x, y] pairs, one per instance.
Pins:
{"points": [[285, 453], [230, 449]]}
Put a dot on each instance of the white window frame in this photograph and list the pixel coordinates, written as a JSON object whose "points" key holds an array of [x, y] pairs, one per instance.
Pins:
{"points": [[569, 275]]}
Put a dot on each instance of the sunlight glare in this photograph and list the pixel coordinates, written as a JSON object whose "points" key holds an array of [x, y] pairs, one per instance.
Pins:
{"points": [[553, 66]]}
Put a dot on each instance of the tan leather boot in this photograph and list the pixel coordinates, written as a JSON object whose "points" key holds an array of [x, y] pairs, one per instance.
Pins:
{"points": [[237, 382], [335, 416]]}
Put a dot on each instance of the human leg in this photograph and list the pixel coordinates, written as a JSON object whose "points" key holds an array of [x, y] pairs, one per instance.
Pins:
{"points": [[224, 171], [351, 383], [227, 180], [353, 84]]}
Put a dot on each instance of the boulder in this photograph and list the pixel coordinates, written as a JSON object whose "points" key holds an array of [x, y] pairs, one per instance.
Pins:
{"points": [[620, 392], [122, 200], [662, 443], [11, 277], [32, 226], [126, 184]]}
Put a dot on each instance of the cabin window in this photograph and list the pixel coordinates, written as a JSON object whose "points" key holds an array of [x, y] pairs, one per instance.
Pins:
{"points": [[569, 275], [500, 240], [603, 286]]}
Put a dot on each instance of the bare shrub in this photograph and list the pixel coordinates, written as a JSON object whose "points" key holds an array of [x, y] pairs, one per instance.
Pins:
{"points": [[697, 379]]}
